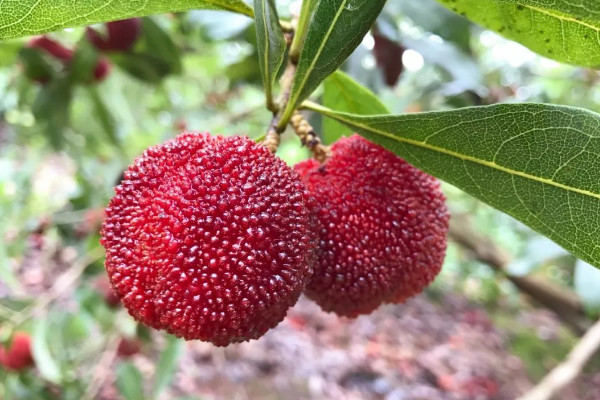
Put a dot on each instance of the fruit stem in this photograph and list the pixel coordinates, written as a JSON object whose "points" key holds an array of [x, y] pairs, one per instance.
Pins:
{"points": [[272, 139], [308, 137], [285, 111], [60, 286], [296, 30]]}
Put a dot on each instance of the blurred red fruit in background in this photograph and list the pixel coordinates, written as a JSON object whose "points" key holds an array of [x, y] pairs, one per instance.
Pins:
{"points": [[120, 35], [51, 47], [18, 355]]}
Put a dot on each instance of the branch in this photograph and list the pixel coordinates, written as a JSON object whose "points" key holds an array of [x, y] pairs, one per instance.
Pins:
{"points": [[563, 302], [61, 285], [482, 248], [3, 131], [101, 371], [565, 373], [272, 140]]}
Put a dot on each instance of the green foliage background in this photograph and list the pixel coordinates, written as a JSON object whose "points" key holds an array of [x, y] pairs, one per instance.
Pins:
{"points": [[64, 146]]}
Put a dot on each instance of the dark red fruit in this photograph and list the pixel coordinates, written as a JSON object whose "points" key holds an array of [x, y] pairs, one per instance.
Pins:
{"points": [[388, 55], [51, 47], [128, 347], [382, 228], [208, 237], [18, 355], [120, 35], [102, 70]]}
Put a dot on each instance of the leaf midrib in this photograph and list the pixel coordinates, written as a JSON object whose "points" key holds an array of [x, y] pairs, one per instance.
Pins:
{"points": [[23, 17], [267, 50], [318, 53], [562, 17], [245, 11], [460, 156]]}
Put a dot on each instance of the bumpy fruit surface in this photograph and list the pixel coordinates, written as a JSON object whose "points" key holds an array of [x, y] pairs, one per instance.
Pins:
{"points": [[382, 228], [209, 238], [120, 35], [18, 355]]}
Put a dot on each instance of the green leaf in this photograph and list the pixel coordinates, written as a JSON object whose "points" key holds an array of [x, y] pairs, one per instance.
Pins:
{"points": [[563, 30], [582, 9], [20, 18], [538, 163], [105, 117], [75, 328], [158, 43], [271, 44], [84, 62], [167, 364], [145, 67], [342, 93], [16, 305], [155, 56], [9, 51], [51, 106], [35, 65], [44, 360], [336, 29], [52, 98], [129, 382]]}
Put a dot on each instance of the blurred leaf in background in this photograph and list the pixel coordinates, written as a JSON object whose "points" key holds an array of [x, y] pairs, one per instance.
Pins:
{"points": [[64, 144]]}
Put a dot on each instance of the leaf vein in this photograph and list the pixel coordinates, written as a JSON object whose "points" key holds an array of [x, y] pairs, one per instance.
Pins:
{"points": [[490, 164]]}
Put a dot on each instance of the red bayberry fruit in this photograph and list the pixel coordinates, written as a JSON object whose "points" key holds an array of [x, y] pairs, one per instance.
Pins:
{"points": [[382, 228], [128, 347], [43, 73], [120, 35], [51, 47], [18, 356], [208, 237], [102, 70]]}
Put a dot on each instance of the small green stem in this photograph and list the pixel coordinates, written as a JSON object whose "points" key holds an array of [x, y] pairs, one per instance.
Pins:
{"points": [[301, 29], [260, 139], [311, 105], [289, 111], [285, 117], [286, 26], [271, 106]]}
